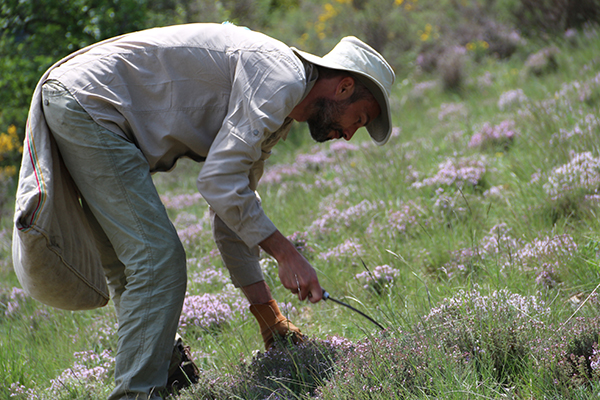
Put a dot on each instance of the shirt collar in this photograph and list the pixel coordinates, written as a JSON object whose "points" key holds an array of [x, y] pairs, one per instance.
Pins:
{"points": [[312, 73]]}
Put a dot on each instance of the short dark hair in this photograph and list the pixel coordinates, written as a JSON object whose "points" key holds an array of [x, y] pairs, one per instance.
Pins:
{"points": [[360, 90]]}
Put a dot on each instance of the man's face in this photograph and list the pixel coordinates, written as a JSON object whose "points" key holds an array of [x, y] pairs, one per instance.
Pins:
{"points": [[330, 119]]}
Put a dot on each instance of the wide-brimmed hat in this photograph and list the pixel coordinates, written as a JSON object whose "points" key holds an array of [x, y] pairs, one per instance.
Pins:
{"points": [[353, 55]]}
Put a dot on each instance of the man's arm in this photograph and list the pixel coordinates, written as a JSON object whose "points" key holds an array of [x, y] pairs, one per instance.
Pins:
{"points": [[295, 272]]}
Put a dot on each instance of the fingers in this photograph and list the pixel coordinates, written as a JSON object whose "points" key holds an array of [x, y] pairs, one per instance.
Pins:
{"points": [[311, 291], [299, 277], [306, 288], [315, 295]]}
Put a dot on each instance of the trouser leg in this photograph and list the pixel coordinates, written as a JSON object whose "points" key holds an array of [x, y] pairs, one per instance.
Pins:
{"points": [[113, 267], [114, 180], [241, 261]]}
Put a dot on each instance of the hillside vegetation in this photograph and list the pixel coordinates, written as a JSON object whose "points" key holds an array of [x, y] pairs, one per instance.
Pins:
{"points": [[472, 236]]}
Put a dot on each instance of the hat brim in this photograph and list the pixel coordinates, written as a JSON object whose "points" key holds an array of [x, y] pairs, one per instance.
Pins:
{"points": [[379, 128]]}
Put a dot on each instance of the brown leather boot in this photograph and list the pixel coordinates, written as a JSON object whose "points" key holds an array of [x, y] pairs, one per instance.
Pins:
{"points": [[273, 324], [182, 370]]}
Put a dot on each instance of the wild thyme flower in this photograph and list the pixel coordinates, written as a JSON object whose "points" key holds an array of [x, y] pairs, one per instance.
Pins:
{"points": [[340, 147], [461, 262], [497, 244], [300, 241], [181, 201], [378, 278], [401, 359], [511, 98], [206, 311], [22, 392], [494, 329], [276, 173], [546, 276], [495, 192], [501, 135], [420, 88], [236, 300], [412, 175], [406, 217], [192, 234], [333, 218], [583, 91], [586, 127], [15, 300], [582, 173], [89, 369], [351, 248], [314, 160], [452, 110], [547, 251], [448, 202], [457, 171], [499, 241], [210, 276], [288, 309], [572, 359]]}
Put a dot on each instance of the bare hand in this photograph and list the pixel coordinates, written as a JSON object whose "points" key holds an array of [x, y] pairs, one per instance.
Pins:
{"points": [[295, 272]]}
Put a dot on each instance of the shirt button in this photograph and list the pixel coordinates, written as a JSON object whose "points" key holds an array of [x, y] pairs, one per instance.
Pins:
{"points": [[255, 132]]}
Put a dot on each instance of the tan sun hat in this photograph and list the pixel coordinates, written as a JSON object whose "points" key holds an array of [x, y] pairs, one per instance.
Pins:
{"points": [[353, 55]]}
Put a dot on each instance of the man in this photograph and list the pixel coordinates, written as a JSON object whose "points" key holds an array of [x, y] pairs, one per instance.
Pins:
{"points": [[221, 95]]}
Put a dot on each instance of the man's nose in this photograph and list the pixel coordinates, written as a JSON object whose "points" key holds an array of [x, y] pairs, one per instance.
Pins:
{"points": [[348, 133]]}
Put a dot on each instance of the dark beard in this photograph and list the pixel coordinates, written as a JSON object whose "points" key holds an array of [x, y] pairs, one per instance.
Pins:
{"points": [[324, 117]]}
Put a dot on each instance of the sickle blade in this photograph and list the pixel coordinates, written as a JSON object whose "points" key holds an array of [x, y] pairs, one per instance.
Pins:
{"points": [[326, 296]]}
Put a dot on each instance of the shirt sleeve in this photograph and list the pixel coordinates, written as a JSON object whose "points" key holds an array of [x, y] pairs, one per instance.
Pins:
{"points": [[266, 86]]}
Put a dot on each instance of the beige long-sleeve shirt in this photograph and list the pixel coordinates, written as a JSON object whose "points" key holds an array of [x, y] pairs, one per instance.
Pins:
{"points": [[219, 94]]}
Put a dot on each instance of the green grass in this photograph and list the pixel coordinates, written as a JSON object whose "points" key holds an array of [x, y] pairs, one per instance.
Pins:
{"points": [[414, 359]]}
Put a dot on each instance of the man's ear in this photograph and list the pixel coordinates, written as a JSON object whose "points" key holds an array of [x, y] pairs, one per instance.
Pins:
{"points": [[344, 88]]}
